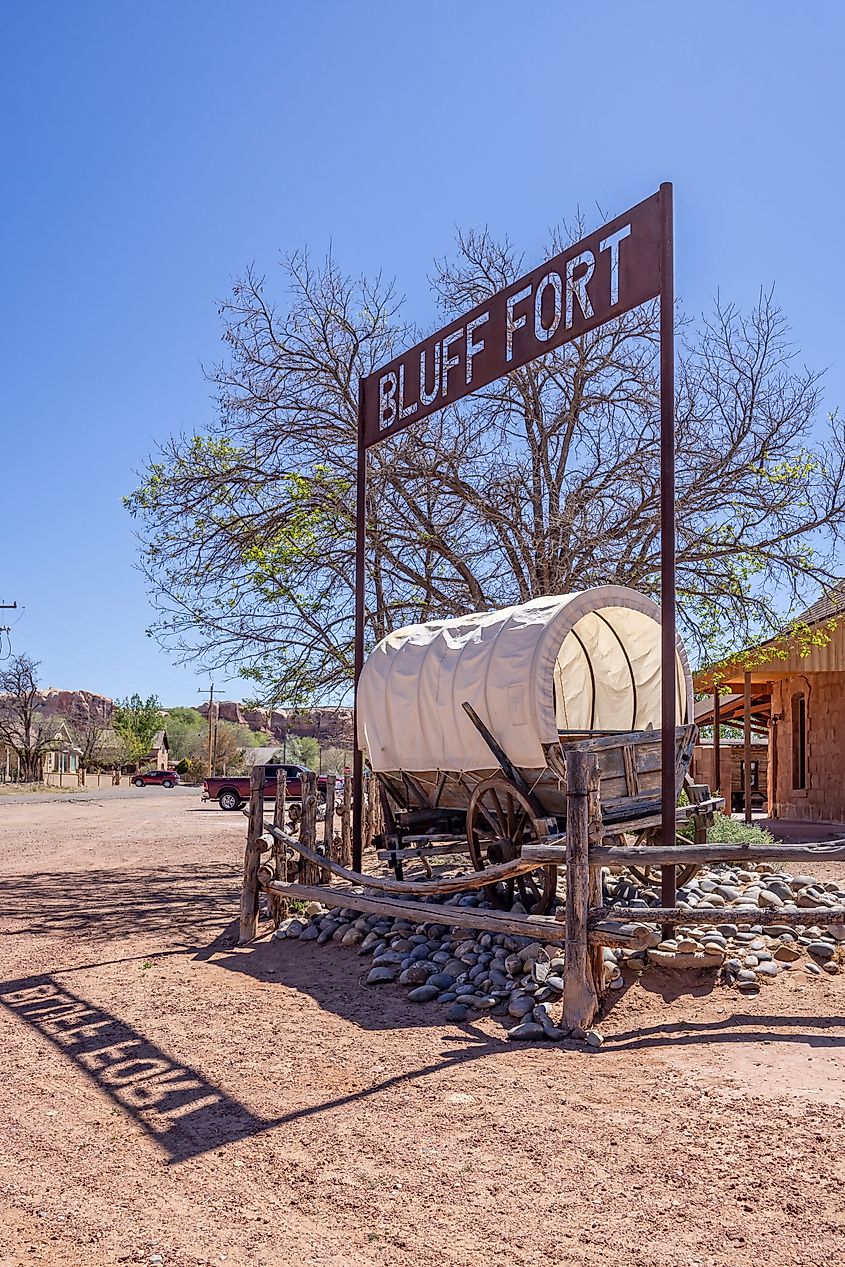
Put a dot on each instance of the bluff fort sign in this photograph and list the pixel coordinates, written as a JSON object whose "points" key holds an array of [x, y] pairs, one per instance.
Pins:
{"points": [[602, 276]]}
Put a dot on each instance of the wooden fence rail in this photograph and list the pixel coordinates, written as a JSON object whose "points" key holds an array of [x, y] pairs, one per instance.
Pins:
{"points": [[696, 916], [679, 855]]}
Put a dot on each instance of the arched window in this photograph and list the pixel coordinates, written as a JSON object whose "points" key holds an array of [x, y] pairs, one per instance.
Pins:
{"points": [[799, 740]]}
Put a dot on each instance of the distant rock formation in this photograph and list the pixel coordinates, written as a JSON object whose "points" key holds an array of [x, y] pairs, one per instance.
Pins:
{"points": [[78, 708], [332, 727]]}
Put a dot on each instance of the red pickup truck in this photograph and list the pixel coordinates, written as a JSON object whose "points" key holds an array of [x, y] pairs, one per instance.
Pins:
{"points": [[232, 791]]}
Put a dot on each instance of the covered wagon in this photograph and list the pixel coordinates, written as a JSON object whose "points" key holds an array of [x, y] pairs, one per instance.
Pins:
{"points": [[465, 724]]}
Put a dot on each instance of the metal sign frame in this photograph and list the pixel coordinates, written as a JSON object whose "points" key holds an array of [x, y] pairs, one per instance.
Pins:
{"points": [[627, 262]]}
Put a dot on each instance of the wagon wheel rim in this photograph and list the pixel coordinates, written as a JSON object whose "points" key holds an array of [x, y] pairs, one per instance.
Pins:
{"points": [[499, 814], [650, 875]]}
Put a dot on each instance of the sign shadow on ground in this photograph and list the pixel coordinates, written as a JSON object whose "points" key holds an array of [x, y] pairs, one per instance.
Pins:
{"points": [[184, 1113]]}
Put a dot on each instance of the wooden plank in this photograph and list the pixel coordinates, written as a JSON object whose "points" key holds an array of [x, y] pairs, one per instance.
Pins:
{"points": [[695, 916], [631, 780], [421, 888], [580, 997], [252, 858], [538, 927], [424, 851]]}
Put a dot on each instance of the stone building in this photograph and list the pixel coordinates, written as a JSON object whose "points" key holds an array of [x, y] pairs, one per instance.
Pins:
{"points": [[795, 686]]}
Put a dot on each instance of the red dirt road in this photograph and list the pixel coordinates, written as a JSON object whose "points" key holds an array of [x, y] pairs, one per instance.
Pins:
{"points": [[169, 1098]]}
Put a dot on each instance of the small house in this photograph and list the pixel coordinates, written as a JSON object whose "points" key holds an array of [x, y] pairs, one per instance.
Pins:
{"points": [[62, 756]]}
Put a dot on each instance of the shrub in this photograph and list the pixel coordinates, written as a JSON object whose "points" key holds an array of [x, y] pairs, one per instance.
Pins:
{"points": [[728, 831]]}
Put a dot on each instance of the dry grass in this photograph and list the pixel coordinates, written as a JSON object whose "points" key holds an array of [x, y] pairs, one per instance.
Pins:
{"points": [[21, 789]]}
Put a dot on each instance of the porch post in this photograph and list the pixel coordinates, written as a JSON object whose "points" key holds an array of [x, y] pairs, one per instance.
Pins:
{"points": [[717, 740]]}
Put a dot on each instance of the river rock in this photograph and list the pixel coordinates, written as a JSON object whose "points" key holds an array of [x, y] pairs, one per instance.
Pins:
{"points": [[380, 976], [677, 959], [526, 1031], [424, 994], [417, 974]]}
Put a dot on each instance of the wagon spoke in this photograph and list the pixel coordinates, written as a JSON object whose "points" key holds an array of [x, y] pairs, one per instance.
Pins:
{"points": [[501, 815], [499, 809]]}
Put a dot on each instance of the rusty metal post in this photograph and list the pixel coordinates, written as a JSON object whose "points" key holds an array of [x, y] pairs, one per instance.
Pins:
{"points": [[360, 581], [772, 789], [746, 737], [668, 719], [717, 740]]}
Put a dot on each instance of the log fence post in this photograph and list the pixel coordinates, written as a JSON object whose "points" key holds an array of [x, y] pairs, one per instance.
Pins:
{"points": [[582, 986], [345, 858], [252, 857], [278, 904], [328, 821], [366, 824], [309, 872]]}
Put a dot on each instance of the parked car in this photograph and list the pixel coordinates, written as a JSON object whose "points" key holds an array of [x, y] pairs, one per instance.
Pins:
{"points": [[156, 778], [232, 791]]}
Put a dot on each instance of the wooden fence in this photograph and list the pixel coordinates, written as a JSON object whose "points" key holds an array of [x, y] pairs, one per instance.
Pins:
{"points": [[298, 868]]}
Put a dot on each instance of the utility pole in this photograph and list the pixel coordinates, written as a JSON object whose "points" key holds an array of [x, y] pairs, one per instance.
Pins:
{"points": [[211, 727], [7, 629]]}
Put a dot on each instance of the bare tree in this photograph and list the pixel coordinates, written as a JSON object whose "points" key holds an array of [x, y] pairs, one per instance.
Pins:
{"points": [[23, 726], [94, 741], [544, 482]]}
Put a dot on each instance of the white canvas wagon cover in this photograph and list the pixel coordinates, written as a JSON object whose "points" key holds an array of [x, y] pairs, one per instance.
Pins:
{"points": [[563, 662]]}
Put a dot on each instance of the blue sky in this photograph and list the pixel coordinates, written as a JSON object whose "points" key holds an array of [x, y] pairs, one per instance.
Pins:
{"points": [[152, 151]]}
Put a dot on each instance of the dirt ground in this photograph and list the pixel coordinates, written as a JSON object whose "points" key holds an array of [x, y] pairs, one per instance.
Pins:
{"points": [[167, 1097]]}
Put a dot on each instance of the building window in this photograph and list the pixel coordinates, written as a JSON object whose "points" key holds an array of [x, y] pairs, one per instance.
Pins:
{"points": [[799, 741]]}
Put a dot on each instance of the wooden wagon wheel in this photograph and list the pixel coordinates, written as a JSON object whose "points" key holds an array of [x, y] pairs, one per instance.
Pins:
{"points": [[651, 875], [500, 821]]}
